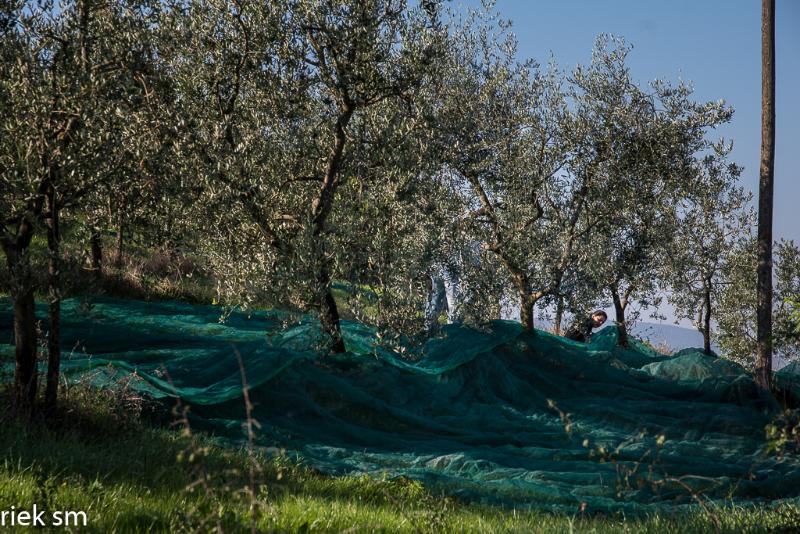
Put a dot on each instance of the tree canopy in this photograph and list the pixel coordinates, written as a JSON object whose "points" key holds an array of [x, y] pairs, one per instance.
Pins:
{"points": [[297, 146]]}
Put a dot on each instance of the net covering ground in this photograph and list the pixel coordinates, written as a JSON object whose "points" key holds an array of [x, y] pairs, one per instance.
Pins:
{"points": [[493, 415]]}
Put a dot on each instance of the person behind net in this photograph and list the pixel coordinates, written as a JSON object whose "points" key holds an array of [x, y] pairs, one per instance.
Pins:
{"points": [[582, 330]]}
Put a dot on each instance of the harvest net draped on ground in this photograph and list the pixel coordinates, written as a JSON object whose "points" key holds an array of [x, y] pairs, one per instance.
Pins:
{"points": [[494, 415]]}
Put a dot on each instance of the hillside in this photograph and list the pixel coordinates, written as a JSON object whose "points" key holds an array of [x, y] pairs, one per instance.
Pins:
{"points": [[497, 416]]}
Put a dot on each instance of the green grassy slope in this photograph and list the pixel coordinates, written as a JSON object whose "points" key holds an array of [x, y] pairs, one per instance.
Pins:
{"points": [[130, 475]]}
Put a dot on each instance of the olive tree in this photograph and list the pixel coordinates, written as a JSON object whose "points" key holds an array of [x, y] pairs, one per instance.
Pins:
{"points": [[712, 218], [737, 308], [63, 67], [571, 188], [648, 139], [501, 124], [275, 98], [787, 294]]}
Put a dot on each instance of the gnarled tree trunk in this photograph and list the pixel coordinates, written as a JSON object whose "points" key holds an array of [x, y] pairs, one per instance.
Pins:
{"points": [[25, 373], [54, 304], [329, 316], [25, 342], [320, 209], [559, 315], [119, 241], [96, 245], [620, 303], [526, 310]]}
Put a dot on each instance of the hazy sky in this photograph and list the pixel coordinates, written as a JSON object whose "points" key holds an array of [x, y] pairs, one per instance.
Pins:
{"points": [[715, 44]]}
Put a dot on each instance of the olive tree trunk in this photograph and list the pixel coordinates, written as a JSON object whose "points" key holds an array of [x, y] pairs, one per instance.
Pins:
{"points": [[54, 302], [707, 320], [620, 303], [320, 209], [96, 245], [559, 315], [119, 241], [25, 342]]}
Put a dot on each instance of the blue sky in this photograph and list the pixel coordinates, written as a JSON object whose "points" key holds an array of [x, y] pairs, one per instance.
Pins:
{"points": [[714, 44]]}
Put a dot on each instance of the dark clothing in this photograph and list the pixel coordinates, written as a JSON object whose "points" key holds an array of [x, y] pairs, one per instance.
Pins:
{"points": [[580, 330]]}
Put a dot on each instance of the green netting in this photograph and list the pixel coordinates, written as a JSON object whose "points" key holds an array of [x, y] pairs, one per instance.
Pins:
{"points": [[496, 415], [788, 379]]}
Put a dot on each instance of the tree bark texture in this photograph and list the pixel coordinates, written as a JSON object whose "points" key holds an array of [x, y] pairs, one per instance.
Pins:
{"points": [[96, 244], [763, 368], [526, 310], [320, 209], [118, 242], [54, 303], [619, 312], [25, 343], [559, 315]]}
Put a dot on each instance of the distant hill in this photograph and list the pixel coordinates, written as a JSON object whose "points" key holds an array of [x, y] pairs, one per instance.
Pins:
{"points": [[678, 337], [673, 336]]}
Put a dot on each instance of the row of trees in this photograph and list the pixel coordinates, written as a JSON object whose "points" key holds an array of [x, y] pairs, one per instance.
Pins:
{"points": [[296, 142]]}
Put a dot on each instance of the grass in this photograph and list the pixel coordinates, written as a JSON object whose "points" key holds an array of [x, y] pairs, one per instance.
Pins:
{"points": [[100, 455], [150, 275]]}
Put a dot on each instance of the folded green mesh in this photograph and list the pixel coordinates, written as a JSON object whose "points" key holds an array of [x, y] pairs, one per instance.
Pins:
{"points": [[493, 415]]}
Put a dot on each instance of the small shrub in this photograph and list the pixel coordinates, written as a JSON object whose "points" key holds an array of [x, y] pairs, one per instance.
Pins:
{"points": [[783, 433]]}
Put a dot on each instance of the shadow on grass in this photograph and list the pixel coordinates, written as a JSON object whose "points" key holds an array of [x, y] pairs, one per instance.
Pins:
{"points": [[96, 435]]}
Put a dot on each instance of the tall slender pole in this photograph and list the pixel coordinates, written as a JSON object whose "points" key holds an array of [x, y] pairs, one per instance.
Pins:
{"points": [[764, 287]]}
